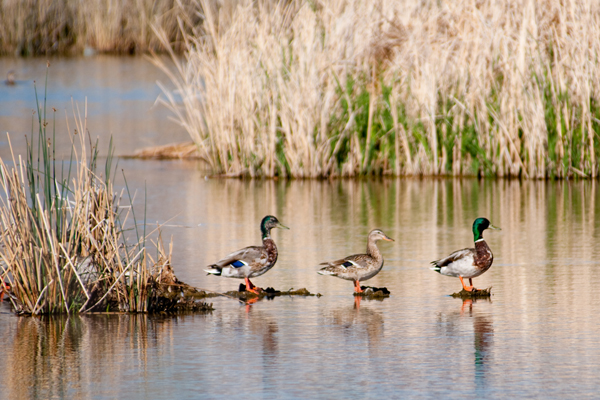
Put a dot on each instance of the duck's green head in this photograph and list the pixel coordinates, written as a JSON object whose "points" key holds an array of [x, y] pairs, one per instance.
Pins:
{"points": [[269, 222], [480, 225]]}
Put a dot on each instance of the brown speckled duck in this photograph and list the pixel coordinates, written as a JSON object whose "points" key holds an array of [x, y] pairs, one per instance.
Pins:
{"points": [[250, 261], [359, 267], [468, 263]]}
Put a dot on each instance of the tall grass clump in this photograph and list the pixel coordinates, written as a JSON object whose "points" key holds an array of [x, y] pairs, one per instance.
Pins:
{"points": [[350, 87], [33, 27], [63, 242]]}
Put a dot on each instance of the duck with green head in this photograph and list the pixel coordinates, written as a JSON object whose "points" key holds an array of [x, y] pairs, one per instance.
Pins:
{"points": [[469, 263], [250, 261]]}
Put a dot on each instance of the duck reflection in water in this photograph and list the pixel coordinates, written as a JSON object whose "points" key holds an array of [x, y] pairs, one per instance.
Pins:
{"points": [[456, 325], [483, 339], [263, 325], [483, 335], [359, 321]]}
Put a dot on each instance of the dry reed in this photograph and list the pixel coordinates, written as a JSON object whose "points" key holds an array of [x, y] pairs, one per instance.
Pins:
{"points": [[348, 87], [63, 246], [30, 27]]}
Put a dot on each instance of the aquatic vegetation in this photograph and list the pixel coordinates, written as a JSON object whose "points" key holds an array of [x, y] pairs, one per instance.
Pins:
{"points": [[346, 88], [34, 27], [66, 242], [269, 293], [373, 293], [473, 294]]}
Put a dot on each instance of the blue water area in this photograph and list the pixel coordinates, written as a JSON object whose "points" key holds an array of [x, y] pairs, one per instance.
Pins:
{"points": [[120, 93]]}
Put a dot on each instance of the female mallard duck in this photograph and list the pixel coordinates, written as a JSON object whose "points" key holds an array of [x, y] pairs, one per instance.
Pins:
{"points": [[358, 267], [251, 261], [469, 263]]}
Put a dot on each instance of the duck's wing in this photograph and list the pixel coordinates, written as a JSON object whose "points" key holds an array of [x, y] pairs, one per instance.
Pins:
{"points": [[353, 261], [248, 256], [454, 257], [348, 268]]}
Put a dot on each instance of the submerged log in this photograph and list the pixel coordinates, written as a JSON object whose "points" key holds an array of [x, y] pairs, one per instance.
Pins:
{"points": [[187, 150]]}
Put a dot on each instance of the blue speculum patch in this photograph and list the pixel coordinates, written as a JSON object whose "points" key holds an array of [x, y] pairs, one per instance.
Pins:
{"points": [[237, 264]]}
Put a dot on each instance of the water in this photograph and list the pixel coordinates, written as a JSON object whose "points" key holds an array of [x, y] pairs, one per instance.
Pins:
{"points": [[120, 93], [539, 336]]}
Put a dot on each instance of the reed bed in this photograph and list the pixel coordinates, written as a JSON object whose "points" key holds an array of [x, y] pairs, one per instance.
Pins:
{"points": [[65, 243], [34, 27], [349, 87]]}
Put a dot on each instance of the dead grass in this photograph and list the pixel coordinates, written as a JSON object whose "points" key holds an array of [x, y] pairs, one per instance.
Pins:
{"points": [[33, 27], [345, 88], [187, 150], [67, 243]]}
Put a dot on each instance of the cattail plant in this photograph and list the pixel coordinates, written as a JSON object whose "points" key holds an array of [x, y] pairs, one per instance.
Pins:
{"points": [[349, 87], [33, 27], [63, 246]]}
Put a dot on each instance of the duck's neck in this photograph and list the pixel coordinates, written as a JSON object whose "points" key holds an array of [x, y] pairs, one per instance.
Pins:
{"points": [[373, 250], [266, 234], [477, 234]]}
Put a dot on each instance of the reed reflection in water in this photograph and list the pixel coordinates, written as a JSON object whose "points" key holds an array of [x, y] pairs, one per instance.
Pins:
{"points": [[75, 357]]}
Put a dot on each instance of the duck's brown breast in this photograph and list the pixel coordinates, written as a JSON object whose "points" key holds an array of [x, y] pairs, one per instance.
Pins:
{"points": [[483, 255]]}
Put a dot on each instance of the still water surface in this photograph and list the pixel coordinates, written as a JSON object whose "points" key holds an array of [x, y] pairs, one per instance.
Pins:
{"points": [[538, 337]]}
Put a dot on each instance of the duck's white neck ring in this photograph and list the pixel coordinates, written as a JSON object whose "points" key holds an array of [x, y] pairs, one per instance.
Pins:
{"points": [[480, 240]]}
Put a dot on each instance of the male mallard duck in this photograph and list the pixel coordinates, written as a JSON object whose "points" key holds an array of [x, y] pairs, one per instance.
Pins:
{"points": [[358, 267], [250, 261], [469, 263]]}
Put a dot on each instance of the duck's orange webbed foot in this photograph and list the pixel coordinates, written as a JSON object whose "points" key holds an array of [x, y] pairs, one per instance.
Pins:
{"points": [[251, 288], [467, 288], [357, 288]]}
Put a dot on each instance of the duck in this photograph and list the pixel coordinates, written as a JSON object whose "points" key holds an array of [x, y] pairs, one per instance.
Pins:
{"points": [[250, 261], [358, 267], [469, 263], [10, 78]]}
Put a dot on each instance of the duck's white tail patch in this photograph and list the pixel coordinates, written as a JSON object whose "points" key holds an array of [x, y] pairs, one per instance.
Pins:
{"points": [[325, 272], [213, 271]]}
